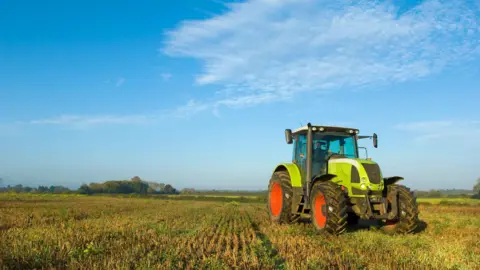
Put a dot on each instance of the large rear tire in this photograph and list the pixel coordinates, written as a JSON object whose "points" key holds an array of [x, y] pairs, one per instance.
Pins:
{"points": [[407, 221], [328, 208], [280, 194]]}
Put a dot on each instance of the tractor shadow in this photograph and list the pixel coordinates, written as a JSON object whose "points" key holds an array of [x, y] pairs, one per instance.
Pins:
{"points": [[268, 247], [369, 225], [374, 225]]}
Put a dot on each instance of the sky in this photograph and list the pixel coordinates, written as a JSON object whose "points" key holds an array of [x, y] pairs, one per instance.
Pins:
{"points": [[198, 93]]}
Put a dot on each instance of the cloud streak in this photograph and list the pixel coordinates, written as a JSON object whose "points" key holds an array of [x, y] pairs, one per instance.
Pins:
{"points": [[443, 129], [120, 82], [192, 107], [79, 121], [166, 76], [266, 50], [186, 111]]}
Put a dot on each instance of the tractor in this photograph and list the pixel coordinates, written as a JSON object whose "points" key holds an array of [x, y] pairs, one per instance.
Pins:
{"points": [[331, 185]]}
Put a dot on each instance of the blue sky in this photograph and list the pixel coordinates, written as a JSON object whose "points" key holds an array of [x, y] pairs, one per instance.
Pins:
{"points": [[198, 93]]}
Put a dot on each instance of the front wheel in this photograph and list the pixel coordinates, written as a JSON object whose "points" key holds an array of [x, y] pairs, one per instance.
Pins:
{"points": [[407, 219], [329, 208], [280, 194]]}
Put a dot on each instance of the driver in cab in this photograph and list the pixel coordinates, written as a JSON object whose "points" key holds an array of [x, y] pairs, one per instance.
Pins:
{"points": [[318, 158]]}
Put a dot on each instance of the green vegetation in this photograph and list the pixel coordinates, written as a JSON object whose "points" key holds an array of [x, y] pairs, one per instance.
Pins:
{"points": [[449, 201], [75, 231]]}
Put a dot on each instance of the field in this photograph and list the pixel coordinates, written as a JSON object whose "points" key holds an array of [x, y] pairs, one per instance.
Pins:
{"points": [[97, 232], [449, 201]]}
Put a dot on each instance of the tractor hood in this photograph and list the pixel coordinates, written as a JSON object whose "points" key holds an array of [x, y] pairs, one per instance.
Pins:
{"points": [[363, 174]]}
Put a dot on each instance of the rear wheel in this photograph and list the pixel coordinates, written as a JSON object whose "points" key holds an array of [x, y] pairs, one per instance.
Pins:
{"points": [[407, 220], [280, 194], [328, 207]]}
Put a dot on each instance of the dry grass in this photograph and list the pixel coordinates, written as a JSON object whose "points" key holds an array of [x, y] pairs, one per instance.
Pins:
{"points": [[78, 232]]}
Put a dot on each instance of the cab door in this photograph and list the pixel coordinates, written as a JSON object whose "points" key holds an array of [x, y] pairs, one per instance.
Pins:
{"points": [[300, 155]]}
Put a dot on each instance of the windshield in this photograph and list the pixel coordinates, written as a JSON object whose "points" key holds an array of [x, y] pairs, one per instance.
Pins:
{"points": [[335, 144]]}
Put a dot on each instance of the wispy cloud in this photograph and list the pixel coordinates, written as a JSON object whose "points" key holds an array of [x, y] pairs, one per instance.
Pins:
{"points": [[166, 76], [78, 121], [120, 82], [424, 126], [186, 111], [266, 50], [431, 130], [192, 107]]}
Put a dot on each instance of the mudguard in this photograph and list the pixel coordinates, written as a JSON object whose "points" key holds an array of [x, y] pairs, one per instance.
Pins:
{"points": [[391, 180], [293, 171], [322, 178]]}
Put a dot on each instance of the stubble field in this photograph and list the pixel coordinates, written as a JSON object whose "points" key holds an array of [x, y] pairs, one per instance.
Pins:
{"points": [[81, 232]]}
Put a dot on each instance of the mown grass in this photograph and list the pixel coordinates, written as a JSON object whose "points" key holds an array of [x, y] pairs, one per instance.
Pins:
{"points": [[99, 232]]}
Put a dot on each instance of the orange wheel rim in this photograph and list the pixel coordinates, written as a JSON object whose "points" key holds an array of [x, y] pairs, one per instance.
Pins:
{"points": [[320, 217], [276, 199]]}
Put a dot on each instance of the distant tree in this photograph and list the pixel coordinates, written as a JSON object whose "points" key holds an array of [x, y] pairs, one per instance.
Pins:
{"points": [[188, 191], [136, 179], [169, 189], [84, 189], [60, 189], [42, 189], [18, 188], [476, 189], [140, 187], [156, 187]]}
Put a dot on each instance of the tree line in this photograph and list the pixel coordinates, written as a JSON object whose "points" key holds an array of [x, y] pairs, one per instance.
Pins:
{"points": [[138, 186], [133, 186]]}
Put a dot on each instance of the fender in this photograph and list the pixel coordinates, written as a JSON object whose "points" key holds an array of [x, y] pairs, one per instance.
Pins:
{"points": [[322, 178], [293, 171], [391, 180]]}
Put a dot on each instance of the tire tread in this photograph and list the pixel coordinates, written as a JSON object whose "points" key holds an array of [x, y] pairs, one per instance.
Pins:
{"points": [[335, 198]]}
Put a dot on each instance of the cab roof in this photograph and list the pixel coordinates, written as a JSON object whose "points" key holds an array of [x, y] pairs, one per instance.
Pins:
{"points": [[322, 128]]}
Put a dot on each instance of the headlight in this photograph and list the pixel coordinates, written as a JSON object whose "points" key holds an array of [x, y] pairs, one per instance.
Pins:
{"points": [[362, 186], [363, 180]]}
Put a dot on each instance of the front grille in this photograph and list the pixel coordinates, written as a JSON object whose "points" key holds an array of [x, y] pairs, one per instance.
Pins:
{"points": [[373, 172]]}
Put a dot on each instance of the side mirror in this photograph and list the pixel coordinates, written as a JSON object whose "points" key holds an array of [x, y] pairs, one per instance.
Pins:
{"points": [[375, 140], [288, 136]]}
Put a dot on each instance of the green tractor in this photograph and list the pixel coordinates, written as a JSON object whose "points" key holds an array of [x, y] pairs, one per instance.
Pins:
{"points": [[330, 184]]}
